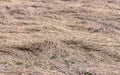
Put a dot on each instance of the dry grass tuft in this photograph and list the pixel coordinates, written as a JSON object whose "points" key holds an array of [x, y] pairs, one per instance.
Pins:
{"points": [[37, 47]]}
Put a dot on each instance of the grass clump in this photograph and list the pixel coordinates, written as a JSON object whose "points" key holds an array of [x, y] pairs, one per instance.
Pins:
{"points": [[37, 47], [117, 60], [3, 63], [18, 63], [53, 56], [67, 62], [83, 22], [86, 73]]}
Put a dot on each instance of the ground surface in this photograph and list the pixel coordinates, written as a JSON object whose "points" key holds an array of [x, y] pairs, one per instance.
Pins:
{"points": [[59, 37]]}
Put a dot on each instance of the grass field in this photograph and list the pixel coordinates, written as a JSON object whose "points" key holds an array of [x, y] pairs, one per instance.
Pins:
{"points": [[59, 37]]}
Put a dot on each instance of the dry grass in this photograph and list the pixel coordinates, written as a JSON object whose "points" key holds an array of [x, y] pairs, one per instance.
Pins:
{"points": [[59, 37]]}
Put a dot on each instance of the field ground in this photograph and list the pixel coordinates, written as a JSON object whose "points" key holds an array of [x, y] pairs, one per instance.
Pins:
{"points": [[59, 37]]}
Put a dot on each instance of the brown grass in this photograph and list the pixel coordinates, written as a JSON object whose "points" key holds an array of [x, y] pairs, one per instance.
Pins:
{"points": [[61, 37]]}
